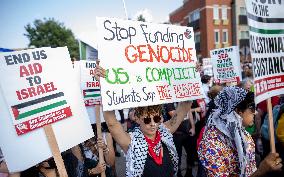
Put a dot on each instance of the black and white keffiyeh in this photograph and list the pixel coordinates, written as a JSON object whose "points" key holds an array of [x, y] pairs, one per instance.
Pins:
{"points": [[138, 149], [1, 156], [225, 119]]}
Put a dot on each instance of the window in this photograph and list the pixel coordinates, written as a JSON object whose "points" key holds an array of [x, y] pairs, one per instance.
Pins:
{"points": [[225, 36], [217, 36], [197, 37], [195, 15], [244, 35], [224, 12], [216, 12], [243, 11]]}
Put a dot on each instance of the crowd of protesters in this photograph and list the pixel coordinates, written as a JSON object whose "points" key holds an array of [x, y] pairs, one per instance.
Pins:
{"points": [[224, 134]]}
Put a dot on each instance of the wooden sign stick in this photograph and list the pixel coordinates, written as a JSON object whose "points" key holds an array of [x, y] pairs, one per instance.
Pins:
{"points": [[55, 150], [99, 134], [271, 126]]}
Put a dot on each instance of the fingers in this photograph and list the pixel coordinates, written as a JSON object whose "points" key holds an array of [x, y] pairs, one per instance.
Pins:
{"points": [[99, 72], [101, 143], [98, 169], [274, 161], [277, 163], [273, 156], [102, 167]]}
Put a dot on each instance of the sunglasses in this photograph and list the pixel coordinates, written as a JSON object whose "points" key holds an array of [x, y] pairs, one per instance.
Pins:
{"points": [[147, 120]]}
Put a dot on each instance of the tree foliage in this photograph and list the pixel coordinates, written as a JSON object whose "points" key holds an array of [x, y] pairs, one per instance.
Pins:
{"points": [[51, 33]]}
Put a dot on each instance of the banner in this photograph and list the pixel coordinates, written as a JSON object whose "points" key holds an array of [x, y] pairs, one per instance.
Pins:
{"points": [[87, 52], [226, 65], [89, 85], [266, 24], [38, 87], [146, 63]]}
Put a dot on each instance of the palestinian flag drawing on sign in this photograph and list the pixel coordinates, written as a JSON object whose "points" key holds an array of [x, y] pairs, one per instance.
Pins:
{"points": [[39, 105], [92, 93], [92, 97]]}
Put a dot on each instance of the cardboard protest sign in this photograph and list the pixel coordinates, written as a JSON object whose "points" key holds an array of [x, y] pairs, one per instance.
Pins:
{"points": [[226, 64], [38, 88], [33, 97], [266, 24], [89, 85], [146, 63]]}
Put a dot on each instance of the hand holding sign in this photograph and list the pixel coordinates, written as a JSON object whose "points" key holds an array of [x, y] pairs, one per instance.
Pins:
{"points": [[99, 72]]}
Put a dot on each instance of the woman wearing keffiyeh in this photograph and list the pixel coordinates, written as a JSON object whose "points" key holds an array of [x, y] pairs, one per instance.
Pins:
{"points": [[149, 149], [226, 148]]}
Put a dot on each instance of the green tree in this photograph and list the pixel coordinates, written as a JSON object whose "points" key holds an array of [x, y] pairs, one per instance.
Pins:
{"points": [[51, 33], [141, 18]]}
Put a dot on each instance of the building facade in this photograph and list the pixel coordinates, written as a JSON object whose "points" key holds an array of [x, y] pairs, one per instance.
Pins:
{"points": [[212, 22], [240, 29]]}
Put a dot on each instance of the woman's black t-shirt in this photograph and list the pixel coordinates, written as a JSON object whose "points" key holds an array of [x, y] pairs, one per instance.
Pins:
{"points": [[152, 169]]}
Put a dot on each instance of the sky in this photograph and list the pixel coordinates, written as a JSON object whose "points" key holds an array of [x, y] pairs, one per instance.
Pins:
{"points": [[77, 15]]}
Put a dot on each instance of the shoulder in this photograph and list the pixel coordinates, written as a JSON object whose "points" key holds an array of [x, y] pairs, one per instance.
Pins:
{"points": [[215, 153]]}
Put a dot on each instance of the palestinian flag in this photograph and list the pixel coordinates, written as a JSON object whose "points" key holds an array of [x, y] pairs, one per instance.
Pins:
{"points": [[92, 93], [39, 105], [87, 52]]}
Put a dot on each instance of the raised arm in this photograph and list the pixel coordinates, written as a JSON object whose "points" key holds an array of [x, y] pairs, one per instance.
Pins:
{"points": [[180, 113], [116, 130]]}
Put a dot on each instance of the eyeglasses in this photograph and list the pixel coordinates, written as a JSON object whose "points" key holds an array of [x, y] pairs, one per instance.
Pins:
{"points": [[157, 119]]}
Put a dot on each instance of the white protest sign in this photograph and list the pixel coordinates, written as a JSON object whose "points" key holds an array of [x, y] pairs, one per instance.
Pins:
{"points": [[89, 85], [226, 64], [207, 66], [266, 24], [39, 79], [146, 63]]}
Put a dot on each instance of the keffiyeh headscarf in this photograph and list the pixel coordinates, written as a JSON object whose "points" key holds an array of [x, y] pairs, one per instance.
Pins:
{"points": [[225, 119]]}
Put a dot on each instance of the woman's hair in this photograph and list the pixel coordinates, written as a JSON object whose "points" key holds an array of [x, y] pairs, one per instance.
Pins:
{"points": [[205, 79], [248, 102], [140, 111]]}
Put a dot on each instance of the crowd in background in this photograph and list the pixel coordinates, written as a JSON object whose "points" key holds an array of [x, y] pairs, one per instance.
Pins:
{"points": [[215, 143]]}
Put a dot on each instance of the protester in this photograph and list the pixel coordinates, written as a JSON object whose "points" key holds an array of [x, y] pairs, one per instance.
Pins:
{"points": [[262, 143], [226, 149], [91, 154], [184, 138], [247, 84], [44, 169], [207, 83], [150, 150]]}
